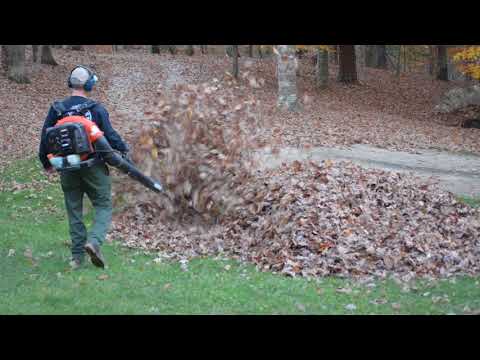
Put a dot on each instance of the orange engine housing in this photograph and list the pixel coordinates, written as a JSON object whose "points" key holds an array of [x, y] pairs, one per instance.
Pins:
{"points": [[94, 133]]}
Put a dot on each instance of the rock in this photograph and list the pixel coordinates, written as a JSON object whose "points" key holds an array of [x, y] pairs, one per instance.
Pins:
{"points": [[459, 98]]}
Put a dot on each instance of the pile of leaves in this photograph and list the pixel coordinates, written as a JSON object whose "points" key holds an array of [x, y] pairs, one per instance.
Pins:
{"points": [[306, 219], [198, 142], [319, 219]]}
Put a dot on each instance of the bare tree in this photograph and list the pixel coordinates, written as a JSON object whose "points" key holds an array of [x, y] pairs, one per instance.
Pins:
{"points": [[381, 56], [235, 60], [229, 50], [334, 55], [347, 72], [442, 63], [15, 61], [155, 49], [399, 60], [190, 51], [203, 49], [47, 56], [287, 77], [360, 61], [4, 57], [376, 56], [35, 53], [432, 62], [322, 68]]}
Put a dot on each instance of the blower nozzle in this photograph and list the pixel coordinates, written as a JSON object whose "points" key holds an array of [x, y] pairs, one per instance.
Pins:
{"points": [[112, 158]]}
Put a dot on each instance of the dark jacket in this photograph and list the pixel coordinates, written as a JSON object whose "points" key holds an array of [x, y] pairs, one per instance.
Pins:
{"points": [[99, 116]]}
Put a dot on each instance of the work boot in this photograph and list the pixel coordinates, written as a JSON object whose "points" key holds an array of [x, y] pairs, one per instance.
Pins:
{"points": [[93, 250], [75, 264]]}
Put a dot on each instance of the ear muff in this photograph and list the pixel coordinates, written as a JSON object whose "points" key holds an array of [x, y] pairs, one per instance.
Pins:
{"points": [[92, 80]]}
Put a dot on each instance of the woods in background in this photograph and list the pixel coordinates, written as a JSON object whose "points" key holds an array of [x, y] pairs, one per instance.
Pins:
{"points": [[442, 62]]}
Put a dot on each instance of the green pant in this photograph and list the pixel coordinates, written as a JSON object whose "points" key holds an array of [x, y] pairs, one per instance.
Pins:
{"points": [[96, 183]]}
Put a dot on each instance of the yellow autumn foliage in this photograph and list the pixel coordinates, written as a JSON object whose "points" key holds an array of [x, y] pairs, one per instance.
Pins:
{"points": [[468, 61]]}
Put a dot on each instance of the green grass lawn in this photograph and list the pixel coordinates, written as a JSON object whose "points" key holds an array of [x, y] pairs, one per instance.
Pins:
{"points": [[34, 220]]}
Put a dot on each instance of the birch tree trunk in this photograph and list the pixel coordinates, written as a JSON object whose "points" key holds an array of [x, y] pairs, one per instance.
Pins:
{"points": [[322, 69], [287, 77], [360, 61]]}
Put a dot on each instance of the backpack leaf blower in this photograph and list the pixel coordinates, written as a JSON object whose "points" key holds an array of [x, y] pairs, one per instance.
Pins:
{"points": [[74, 139]]}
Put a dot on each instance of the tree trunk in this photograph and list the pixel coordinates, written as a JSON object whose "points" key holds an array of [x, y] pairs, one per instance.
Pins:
{"points": [[333, 55], [381, 56], [250, 50], [399, 60], [432, 62], [46, 56], [4, 57], [322, 68], [287, 77], [190, 51], [360, 61], [347, 71], [203, 48], [155, 49], [260, 52], [235, 60], [442, 63], [34, 53], [76, 47], [172, 49], [16, 63], [370, 55]]}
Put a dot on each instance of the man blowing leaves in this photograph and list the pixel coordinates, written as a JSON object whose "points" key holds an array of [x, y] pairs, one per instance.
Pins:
{"points": [[94, 181]]}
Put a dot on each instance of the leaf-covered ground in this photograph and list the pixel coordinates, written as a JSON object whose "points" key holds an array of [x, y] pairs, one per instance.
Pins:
{"points": [[384, 111], [333, 230]]}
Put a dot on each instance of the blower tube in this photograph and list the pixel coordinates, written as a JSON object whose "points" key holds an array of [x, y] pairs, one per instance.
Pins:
{"points": [[103, 148]]}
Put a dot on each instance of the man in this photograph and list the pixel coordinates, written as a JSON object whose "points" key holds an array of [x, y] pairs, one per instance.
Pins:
{"points": [[93, 181]]}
